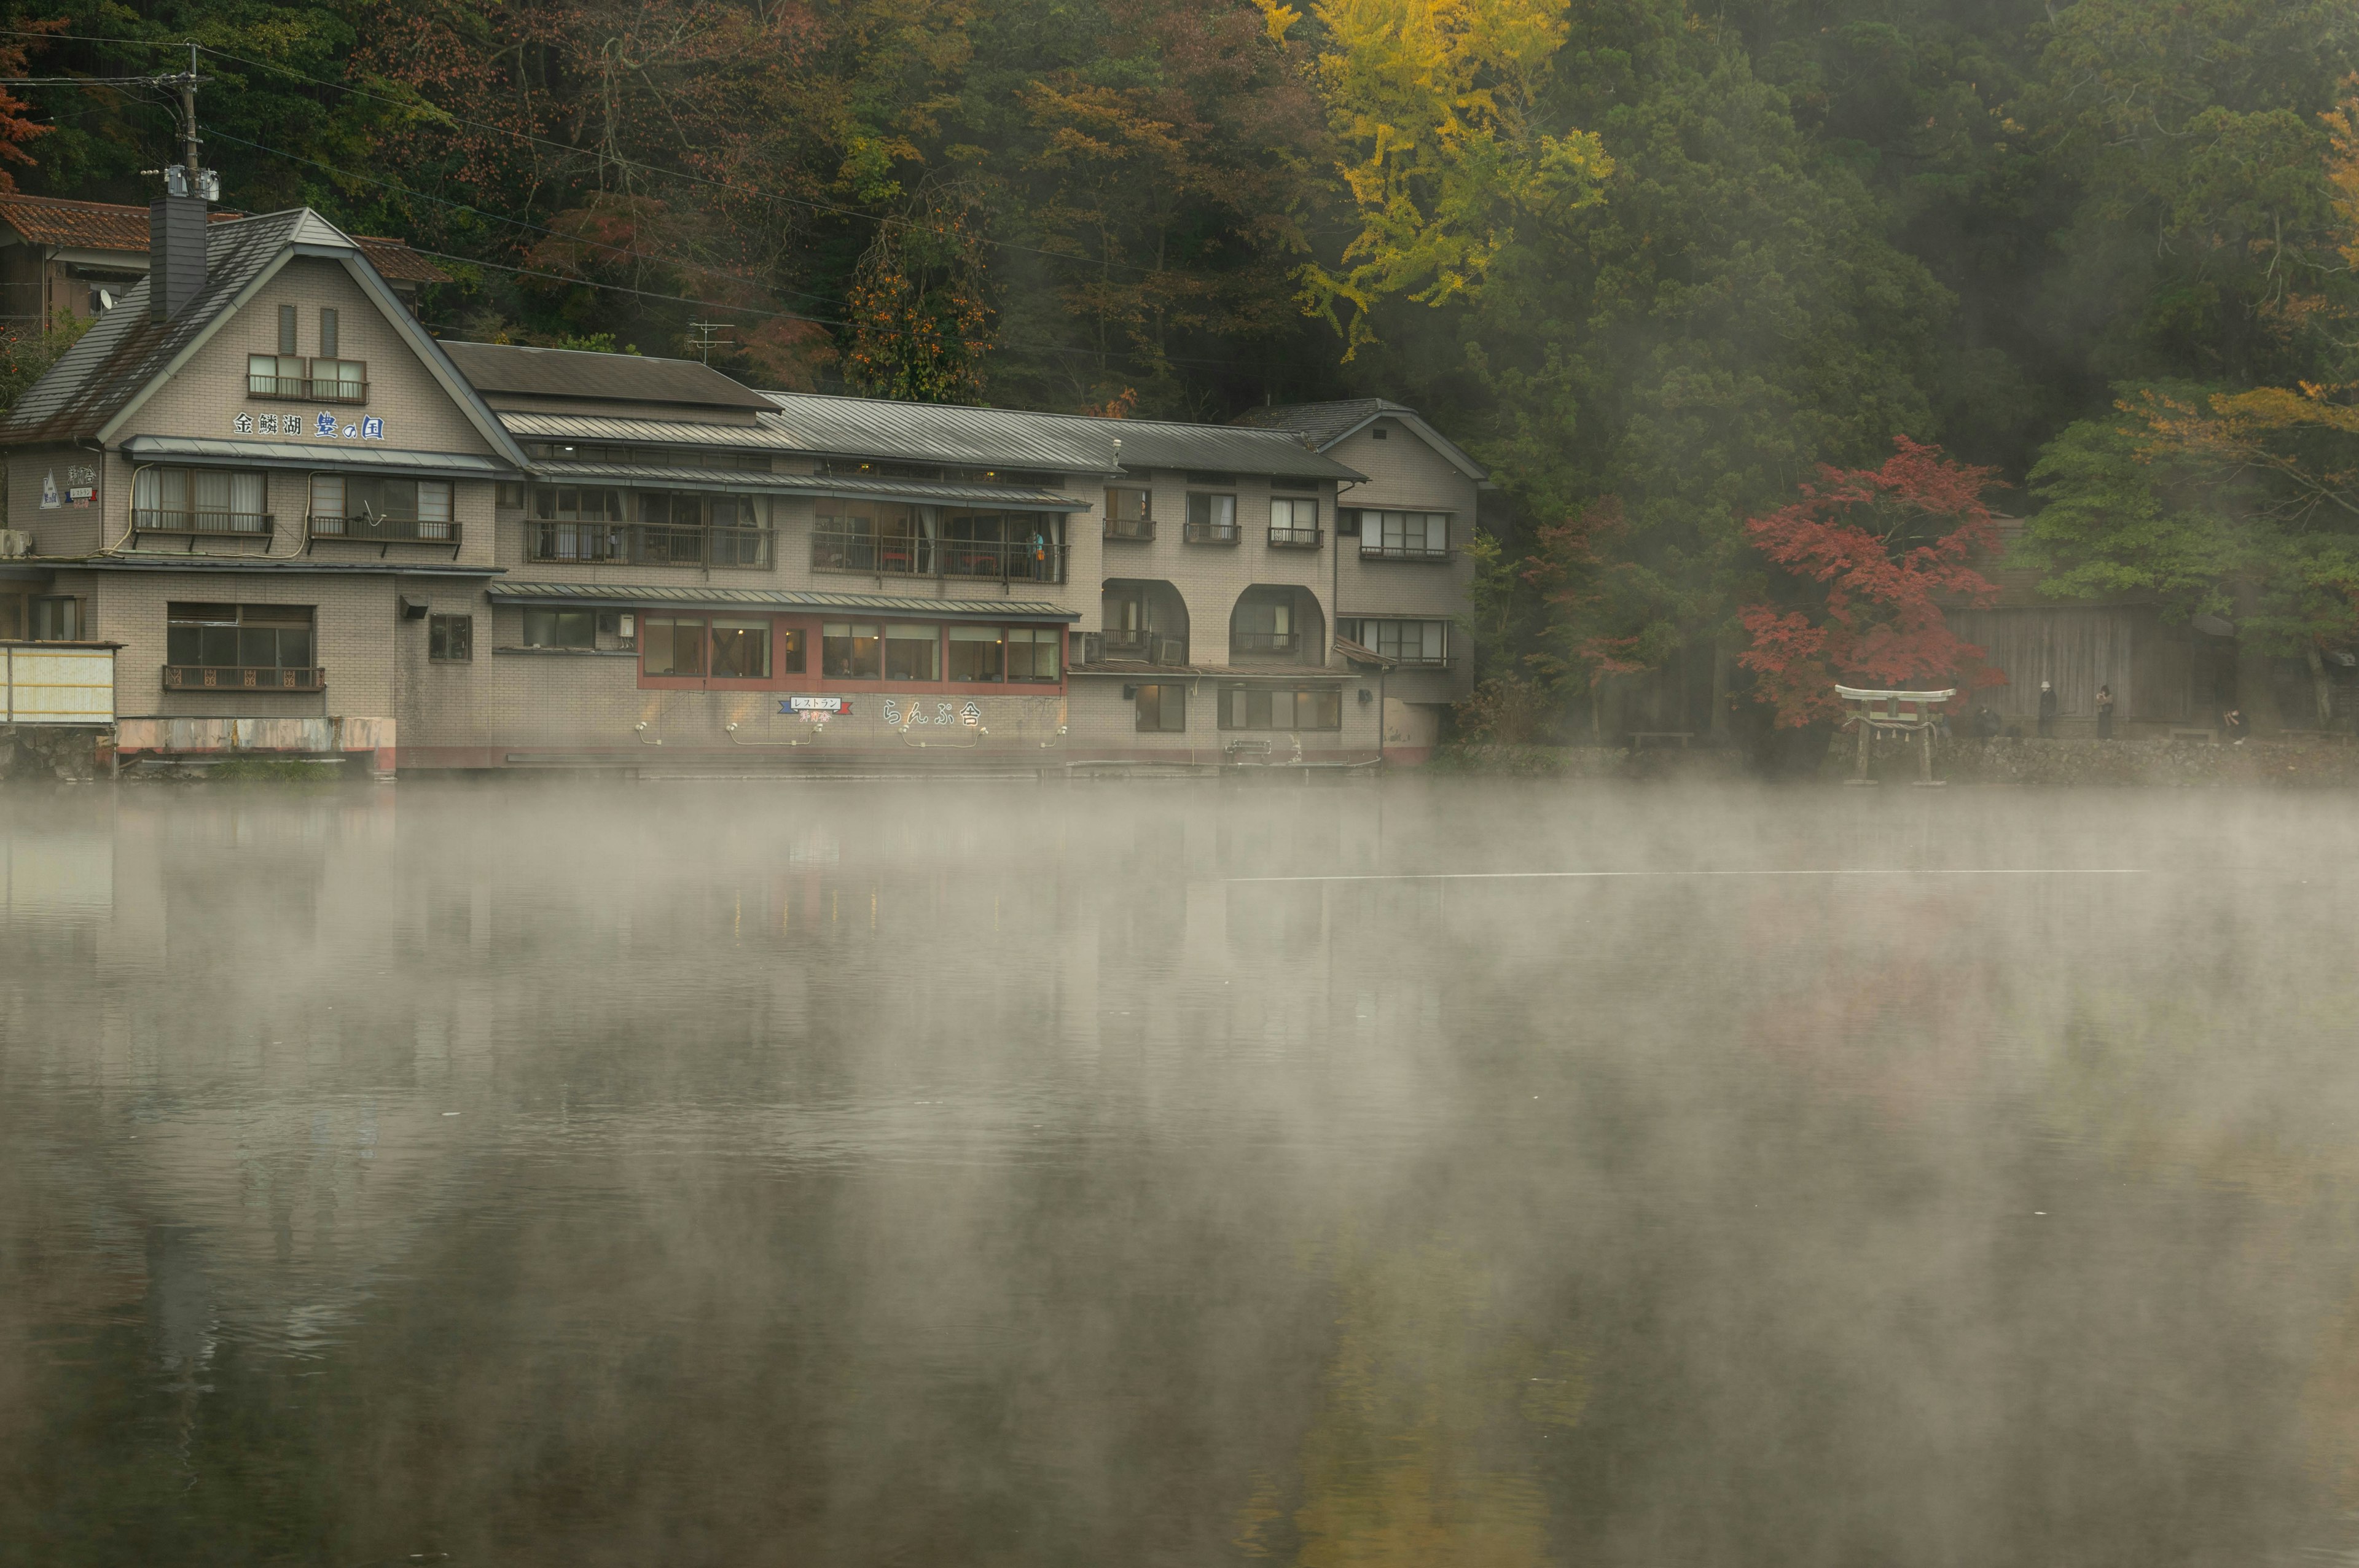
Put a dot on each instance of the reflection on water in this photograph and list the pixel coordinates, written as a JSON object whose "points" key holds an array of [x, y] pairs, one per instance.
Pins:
{"points": [[967, 1173]]}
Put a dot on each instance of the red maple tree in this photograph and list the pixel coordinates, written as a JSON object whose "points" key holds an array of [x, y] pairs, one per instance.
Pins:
{"points": [[1874, 547]]}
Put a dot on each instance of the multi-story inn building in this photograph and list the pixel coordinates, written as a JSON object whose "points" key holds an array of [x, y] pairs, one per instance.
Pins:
{"points": [[304, 523]]}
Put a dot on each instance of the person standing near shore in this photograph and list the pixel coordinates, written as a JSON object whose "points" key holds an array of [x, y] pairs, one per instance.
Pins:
{"points": [[2105, 713], [2047, 711]]}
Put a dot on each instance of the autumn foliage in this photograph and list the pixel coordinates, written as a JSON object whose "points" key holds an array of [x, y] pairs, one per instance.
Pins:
{"points": [[1870, 553]]}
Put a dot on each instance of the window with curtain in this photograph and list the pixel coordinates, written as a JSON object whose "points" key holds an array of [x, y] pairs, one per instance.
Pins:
{"points": [[913, 651], [1035, 653], [975, 653], [672, 645], [741, 650], [200, 500], [1263, 708], [849, 650]]}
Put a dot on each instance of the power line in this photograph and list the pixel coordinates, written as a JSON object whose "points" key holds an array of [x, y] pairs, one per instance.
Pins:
{"points": [[221, 136]]}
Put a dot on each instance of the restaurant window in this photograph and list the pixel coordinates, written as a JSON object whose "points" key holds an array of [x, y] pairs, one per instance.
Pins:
{"points": [[238, 636], [1211, 519], [975, 653], [850, 650], [1035, 653], [199, 500], [672, 645], [1264, 708], [790, 650], [741, 650], [560, 628], [1409, 642], [1129, 514], [57, 619], [913, 653], [1162, 707], [450, 638]]}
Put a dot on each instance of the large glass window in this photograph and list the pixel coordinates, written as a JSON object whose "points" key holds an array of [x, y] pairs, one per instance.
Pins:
{"points": [[1409, 642], [1265, 707], [672, 645], [741, 650], [560, 628], [913, 653], [1035, 653], [975, 653], [1162, 707], [199, 500], [1404, 534], [850, 650], [238, 636]]}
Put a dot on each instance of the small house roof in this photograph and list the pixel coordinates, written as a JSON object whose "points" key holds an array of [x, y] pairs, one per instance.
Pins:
{"points": [[1323, 426], [117, 226]]}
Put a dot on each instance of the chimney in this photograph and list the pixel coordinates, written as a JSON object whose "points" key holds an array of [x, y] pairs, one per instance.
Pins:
{"points": [[176, 254]]}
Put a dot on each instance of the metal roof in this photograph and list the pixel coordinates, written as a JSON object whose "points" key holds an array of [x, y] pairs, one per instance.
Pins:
{"points": [[519, 369], [1320, 426], [311, 455], [1013, 438], [918, 490], [623, 595], [534, 425]]}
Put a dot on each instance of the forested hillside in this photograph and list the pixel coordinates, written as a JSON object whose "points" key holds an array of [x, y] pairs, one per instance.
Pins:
{"points": [[1656, 262]]}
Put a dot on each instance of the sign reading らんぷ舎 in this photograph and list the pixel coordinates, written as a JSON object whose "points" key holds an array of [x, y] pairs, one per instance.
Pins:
{"points": [[322, 425]]}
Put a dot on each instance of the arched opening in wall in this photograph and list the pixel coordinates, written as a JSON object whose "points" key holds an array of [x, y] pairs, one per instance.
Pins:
{"points": [[1146, 621], [1276, 624]]}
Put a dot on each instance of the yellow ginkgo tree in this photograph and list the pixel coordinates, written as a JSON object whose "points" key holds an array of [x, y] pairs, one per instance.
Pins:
{"points": [[1436, 107]]}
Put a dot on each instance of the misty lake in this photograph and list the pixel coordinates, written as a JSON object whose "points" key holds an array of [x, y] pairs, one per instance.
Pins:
{"points": [[980, 1174]]}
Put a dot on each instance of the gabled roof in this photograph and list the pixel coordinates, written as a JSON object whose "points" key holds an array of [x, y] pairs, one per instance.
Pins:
{"points": [[827, 425], [519, 369], [1324, 426], [113, 226], [96, 385]]}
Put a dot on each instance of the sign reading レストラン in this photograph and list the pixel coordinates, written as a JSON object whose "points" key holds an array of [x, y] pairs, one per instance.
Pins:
{"points": [[815, 705]]}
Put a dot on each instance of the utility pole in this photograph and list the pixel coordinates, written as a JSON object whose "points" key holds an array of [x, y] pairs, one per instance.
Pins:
{"points": [[188, 85], [706, 342]]}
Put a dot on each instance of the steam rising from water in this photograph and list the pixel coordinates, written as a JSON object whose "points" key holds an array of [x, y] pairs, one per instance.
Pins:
{"points": [[967, 1173]]}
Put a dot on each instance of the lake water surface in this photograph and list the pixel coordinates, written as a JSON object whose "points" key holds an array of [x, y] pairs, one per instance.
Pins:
{"points": [[974, 1174]]}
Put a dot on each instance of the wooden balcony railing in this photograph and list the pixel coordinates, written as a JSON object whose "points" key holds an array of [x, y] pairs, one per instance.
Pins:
{"points": [[1295, 538]]}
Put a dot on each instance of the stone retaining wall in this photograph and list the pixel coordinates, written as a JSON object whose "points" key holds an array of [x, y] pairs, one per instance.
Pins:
{"points": [[2295, 761]]}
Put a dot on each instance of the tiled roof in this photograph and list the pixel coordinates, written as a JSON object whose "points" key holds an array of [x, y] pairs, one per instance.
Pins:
{"points": [[125, 351], [94, 225], [112, 226], [519, 369], [396, 263], [626, 595]]}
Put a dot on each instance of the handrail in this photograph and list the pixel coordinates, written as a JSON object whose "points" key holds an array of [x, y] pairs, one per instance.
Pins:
{"points": [[915, 555], [244, 677], [648, 544], [1209, 533], [1295, 538], [156, 520]]}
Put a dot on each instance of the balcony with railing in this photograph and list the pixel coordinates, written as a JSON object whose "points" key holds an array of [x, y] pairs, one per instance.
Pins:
{"points": [[904, 555], [1265, 642], [243, 677], [234, 524], [1146, 645], [1136, 528], [307, 389], [1402, 550], [374, 529], [1198, 533], [650, 544], [1282, 538]]}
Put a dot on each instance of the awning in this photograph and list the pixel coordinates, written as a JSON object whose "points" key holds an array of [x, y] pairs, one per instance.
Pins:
{"points": [[925, 492], [370, 457], [629, 595]]}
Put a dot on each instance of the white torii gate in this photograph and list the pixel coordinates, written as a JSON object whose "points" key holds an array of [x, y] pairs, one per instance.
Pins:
{"points": [[1902, 710]]}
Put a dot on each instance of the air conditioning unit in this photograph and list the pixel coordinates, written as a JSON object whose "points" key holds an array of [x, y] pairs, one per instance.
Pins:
{"points": [[14, 543], [1093, 647]]}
